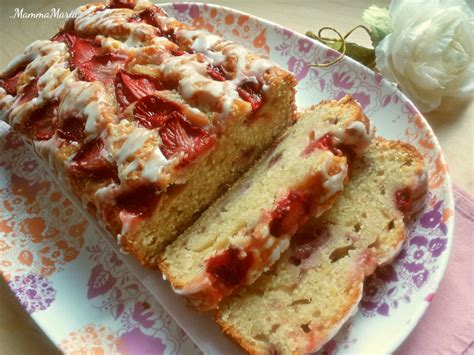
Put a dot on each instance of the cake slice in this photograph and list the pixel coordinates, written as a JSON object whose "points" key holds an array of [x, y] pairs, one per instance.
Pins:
{"points": [[147, 120], [301, 303], [244, 232]]}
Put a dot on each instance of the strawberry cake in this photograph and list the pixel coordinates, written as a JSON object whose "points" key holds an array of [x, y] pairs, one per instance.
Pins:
{"points": [[313, 289], [144, 118], [245, 231]]}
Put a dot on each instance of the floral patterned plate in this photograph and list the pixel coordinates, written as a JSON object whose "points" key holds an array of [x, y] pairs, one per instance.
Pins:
{"points": [[88, 297]]}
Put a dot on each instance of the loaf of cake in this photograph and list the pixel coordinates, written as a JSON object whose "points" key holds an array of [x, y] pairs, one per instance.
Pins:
{"points": [[144, 118], [245, 231], [302, 301]]}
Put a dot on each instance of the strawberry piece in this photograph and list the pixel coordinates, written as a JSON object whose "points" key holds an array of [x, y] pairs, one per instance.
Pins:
{"points": [[152, 111], [29, 92], [290, 213], [132, 87], [216, 72], [72, 129], [179, 136], [121, 4], [41, 123], [81, 49], [10, 83], [170, 35], [252, 93], [140, 201], [149, 16], [89, 163], [102, 67], [326, 142], [230, 268], [403, 199], [178, 53]]}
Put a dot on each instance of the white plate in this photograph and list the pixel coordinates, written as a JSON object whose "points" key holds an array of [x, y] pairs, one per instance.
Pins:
{"points": [[86, 296]]}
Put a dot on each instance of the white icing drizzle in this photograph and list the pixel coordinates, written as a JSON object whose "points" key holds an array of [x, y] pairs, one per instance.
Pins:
{"points": [[48, 63], [96, 19], [89, 100], [333, 183], [362, 132], [203, 42], [154, 165], [196, 286]]}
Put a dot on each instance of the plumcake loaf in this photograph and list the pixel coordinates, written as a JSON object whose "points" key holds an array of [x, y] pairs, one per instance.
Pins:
{"points": [[146, 119], [244, 232], [316, 285]]}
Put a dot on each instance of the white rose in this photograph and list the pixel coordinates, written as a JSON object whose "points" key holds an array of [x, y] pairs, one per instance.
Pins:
{"points": [[430, 50]]}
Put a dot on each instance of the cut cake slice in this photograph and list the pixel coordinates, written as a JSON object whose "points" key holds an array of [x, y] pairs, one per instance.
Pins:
{"points": [[246, 230], [317, 284]]}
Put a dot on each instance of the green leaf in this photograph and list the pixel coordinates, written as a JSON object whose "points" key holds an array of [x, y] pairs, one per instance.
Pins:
{"points": [[378, 20]]}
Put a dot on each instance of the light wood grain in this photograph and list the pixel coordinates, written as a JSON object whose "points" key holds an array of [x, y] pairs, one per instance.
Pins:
{"points": [[453, 123]]}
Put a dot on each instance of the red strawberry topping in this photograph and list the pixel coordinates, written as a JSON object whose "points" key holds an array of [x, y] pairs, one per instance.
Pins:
{"points": [[10, 83], [326, 142], [290, 212], [252, 93], [149, 16], [230, 267], [29, 92], [178, 135], [132, 87], [140, 201], [178, 53], [81, 49], [103, 67], [403, 199], [121, 4], [72, 129], [153, 112], [216, 72], [41, 123], [89, 163]]}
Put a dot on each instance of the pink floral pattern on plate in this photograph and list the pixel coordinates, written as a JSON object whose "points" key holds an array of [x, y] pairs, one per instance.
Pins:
{"points": [[56, 265]]}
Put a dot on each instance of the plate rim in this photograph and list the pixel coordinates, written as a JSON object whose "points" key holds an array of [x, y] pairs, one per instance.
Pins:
{"points": [[420, 308]]}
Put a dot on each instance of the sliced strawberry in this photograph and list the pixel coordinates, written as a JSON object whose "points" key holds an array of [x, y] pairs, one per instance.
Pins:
{"points": [[41, 123], [290, 213], [403, 199], [89, 163], [170, 35], [326, 142], [132, 87], [29, 92], [178, 53], [140, 201], [10, 83], [230, 268], [179, 136], [149, 16], [252, 93], [103, 67], [72, 129], [152, 111], [216, 72], [82, 49]]}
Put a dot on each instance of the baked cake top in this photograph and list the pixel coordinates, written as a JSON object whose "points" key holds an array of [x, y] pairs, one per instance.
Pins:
{"points": [[126, 96]]}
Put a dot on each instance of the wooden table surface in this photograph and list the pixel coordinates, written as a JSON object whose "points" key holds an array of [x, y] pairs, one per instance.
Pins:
{"points": [[452, 124]]}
